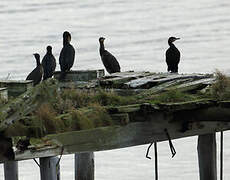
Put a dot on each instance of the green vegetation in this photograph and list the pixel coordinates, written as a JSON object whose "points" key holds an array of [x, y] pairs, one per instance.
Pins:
{"points": [[173, 96], [82, 98], [78, 109]]}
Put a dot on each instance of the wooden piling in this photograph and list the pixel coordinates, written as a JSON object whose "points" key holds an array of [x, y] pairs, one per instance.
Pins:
{"points": [[11, 170], [84, 166], [207, 156], [48, 168]]}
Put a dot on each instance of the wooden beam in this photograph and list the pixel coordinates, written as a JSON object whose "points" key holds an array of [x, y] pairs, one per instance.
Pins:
{"points": [[107, 138], [80, 75], [84, 166]]}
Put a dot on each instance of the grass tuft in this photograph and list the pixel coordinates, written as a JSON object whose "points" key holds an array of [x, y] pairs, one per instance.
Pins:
{"points": [[220, 90], [47, 116], [173, 96]]}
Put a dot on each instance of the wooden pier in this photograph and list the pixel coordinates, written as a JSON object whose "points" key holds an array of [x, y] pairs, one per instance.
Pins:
{"points": [[155, 107]]}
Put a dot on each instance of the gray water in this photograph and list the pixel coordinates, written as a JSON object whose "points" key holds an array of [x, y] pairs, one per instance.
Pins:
{"points": [[136, 33]]}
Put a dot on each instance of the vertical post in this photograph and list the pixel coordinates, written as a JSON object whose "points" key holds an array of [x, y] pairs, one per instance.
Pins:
{"points": [[221, 154], [11, 170], [48, 168], [156, 161], [207, 156], [84, 166]]}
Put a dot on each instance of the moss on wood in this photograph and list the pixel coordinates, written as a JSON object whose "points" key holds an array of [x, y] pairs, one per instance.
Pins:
{"points": [[46, 109]]}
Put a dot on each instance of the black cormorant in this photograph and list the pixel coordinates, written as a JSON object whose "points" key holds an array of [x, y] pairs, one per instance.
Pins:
{"points": [[172, 56], [48, 63], [36, 74], [110, 62], [67, 55]]}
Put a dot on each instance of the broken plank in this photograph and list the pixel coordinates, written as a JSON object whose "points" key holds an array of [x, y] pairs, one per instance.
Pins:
{"points": [[163, 87], [195, 85], [151, 81], [118, 81], [144, 82]]}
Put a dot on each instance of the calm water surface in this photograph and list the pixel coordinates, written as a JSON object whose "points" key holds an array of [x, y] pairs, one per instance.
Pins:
{"points": [[136, 33]]}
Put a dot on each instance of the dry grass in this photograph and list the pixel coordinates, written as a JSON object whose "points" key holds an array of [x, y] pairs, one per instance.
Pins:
{"points": [[47, 117], [91, 117], [82, 98], [220, 90]]}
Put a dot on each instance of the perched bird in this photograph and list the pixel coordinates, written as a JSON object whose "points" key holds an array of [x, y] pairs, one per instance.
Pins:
{"points": [[172, 56], [67, 55], [110, 62], [37, 73], [48, 63]]}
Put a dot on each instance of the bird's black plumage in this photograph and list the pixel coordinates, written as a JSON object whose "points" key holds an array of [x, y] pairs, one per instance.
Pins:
{"points": [[67, 55], [110, 62], [48, 63], [37, 73], [172, 56]]}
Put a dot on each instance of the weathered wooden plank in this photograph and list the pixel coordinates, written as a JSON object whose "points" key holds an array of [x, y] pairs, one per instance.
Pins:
{"points": [[118, 80], [80, 75], [144, 82], [163, 87], [128, 74], [195, 85], [150, 81]]}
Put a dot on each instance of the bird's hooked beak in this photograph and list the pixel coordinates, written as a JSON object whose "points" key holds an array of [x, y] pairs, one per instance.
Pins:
{"points": [[176, 39]]}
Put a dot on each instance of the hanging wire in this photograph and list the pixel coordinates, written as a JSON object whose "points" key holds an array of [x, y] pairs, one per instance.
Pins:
{"points": [[173, 151], [156, 159], [147, 153], [36, 162], [62, 150], [221, 154]]}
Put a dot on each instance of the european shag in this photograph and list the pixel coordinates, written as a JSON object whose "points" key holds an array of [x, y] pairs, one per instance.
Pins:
{"points": [[36, 74], [67, 55], [172, 56], [110, 62], [48, 63]]}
